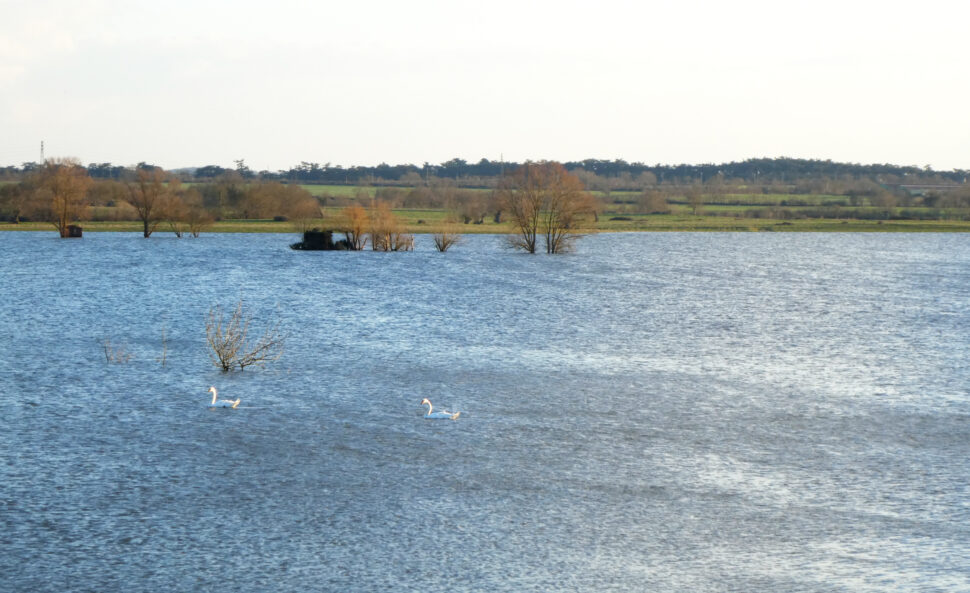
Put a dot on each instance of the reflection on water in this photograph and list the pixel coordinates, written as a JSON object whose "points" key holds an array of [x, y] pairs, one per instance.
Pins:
{"points": [[670, 412]]}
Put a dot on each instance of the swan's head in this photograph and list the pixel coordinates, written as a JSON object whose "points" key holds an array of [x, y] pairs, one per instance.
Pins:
{"points": [[212, 389], [425, 401]]}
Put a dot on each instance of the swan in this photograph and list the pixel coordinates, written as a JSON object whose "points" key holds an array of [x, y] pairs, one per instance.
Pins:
{"points": [[443, 414], [222, 403]]}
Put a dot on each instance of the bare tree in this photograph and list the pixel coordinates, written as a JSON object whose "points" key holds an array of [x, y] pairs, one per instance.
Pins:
{"points": [[471, 206], [303, 213], [448, 236], [199, 220], [883, 199], [176, 213], [387, 232], [353, 224], [653, 201], [228, 343], [148, 193], [63, 185], [196, 217], [265, 200], [522, 196], [695, 199], [543, 199], [566, 202], [646, 180]]}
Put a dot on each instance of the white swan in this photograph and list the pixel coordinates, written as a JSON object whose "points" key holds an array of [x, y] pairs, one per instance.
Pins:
{"points": [[222, 403], [443, 414]]}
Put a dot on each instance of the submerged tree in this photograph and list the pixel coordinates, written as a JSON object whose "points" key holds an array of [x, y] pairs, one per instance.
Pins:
{"points": [[175, 212], [387, 232], [228, 340], [353, 224], [544, 200], [62, 192], [448, 236], [199, 219], [149, 193]]}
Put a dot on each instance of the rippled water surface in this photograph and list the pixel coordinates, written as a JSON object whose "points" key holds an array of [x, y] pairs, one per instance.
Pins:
{"points": [[655, 412]]}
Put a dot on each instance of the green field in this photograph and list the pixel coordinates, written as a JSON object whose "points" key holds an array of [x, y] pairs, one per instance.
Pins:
{"points": [[728, 212], [431, 221]]}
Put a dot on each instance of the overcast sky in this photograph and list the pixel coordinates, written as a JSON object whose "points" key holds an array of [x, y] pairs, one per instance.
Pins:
{"points": [[277, 82]]}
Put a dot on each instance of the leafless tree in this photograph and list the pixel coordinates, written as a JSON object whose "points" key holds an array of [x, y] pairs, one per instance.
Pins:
{"points": [[353, 224], [228, 340], [199, 219], [148, 193], [447, 237], [303, 213], [175, 212], [471, 206], [543, 199], [63, 185], [653, 201], [695, 198], [387, 232]]}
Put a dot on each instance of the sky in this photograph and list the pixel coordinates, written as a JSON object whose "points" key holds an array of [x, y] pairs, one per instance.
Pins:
{"points": [[182, 84]]}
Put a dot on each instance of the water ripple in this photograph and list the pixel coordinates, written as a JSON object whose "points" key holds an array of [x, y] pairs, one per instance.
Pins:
{"points": [[672, 412]]}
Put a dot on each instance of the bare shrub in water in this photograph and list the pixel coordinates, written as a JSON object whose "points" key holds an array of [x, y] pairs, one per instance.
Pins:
{"points": [[387, 232], [117, 354], [448, 236], [228, 343]]}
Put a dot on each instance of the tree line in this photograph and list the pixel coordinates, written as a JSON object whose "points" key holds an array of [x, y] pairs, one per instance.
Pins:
{"points": [[541, 201], [63, 191], [618, 173], [159, 198]]}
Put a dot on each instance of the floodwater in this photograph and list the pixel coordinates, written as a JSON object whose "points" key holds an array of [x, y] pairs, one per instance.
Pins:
{"points": [[655, 412]]}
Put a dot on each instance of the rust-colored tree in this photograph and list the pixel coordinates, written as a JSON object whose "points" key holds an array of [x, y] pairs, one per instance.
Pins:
{"points": [[448, 235], [386, 231], [353, 222], [544, 201], [265, 200], [653, 201], [184, 211], [176, 213], [149, 193], [199, 220], [303, 213], [62, 192]]}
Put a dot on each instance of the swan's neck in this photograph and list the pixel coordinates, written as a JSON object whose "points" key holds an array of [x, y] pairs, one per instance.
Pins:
{"points": [[213, 394], [429, 407]]}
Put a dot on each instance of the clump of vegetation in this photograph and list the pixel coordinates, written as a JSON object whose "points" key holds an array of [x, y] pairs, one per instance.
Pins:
{"points": [[229, 343], [447, 237], [117, 354], [353, 224], [387, 232]]}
